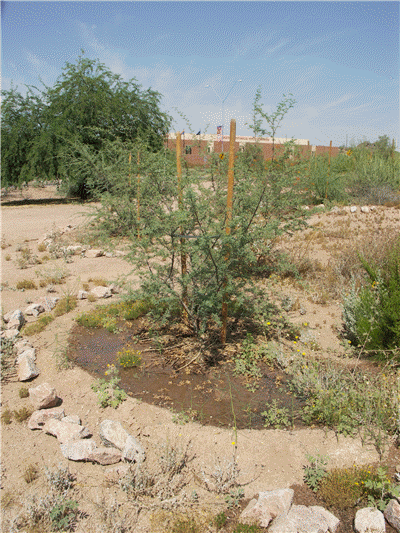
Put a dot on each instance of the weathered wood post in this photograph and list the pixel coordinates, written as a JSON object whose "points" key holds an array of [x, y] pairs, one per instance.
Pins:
{"points": [[229, 203], [180, 202]]}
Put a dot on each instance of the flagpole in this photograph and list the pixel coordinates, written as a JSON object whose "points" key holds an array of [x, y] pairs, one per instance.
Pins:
{"points": [[223, 107]]}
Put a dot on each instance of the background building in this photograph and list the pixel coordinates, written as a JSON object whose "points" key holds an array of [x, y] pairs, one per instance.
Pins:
{"points": [[196, 148]]}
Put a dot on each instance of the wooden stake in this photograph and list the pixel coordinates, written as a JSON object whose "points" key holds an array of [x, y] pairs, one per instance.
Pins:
{"points": [[138, 193], [229, 203], [329, 169], [180, 201]]}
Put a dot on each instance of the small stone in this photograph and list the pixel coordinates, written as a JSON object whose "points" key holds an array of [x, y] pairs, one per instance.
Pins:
{"points": [[82, 295], [9, 334], [369, 520], [364, 209], [79, 450], [392, 514], [28, 352], [93, 253], [353, 209], [105, 455]]}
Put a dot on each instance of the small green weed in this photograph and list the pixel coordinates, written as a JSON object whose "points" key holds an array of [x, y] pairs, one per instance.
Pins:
{"points": [[108, 392], [234, 498], [41, 247], [26, 284], [63, 515], [316, 471], [7, 257], [380, 490], [23, 392], [186, 525], [246, 528], [276, 416], [220, 520], [129, 358], [246, 362], [181, 418]]}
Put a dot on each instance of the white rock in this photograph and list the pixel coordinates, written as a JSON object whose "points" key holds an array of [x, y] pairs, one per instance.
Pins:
{"points": [[9, 334], [82, 295], [43, 396], [79, 450], [14, 315], [300, 519], [113, 434], [27, 368], [38, 418], [369, 520], [133, 451], [76, 249], [353, 209], [28, 352], [49, 302], [331, 519], [269, 505], [93, 253], [101, 292], [364, 209], [65, 431], [34, 309], [72, 419], [21, 345]]}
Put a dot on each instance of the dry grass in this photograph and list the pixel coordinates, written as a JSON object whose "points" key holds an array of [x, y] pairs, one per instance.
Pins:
{"points": [[26, 284]]}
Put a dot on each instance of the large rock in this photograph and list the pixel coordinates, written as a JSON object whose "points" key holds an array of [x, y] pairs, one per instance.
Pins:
{"points": [[38, 418], [14, 319], [302, 519], [27, 368], [65, 431], [269, 505], [392, 514], [10, 334], [101, 292], [21, 345], [86, 450], [105, 455], [34, 310], [27, 352], [113, 434], [79, 450], [49, 302], [43, 396], [369, 520]]}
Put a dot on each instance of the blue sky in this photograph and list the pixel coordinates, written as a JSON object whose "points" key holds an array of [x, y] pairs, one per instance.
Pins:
{"points": [[340, 60]]}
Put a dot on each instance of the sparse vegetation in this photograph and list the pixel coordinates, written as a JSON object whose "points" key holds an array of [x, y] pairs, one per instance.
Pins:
{"points": [[26, 284], [39, 325], [108, 392], [22, 414], [23, 392], [31, 473]]}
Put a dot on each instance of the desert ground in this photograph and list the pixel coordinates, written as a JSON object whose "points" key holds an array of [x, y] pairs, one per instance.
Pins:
{"points": [[268, 459]]}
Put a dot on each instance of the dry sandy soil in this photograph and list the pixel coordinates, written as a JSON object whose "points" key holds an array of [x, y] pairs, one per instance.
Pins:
{"points": [[267, 459]]}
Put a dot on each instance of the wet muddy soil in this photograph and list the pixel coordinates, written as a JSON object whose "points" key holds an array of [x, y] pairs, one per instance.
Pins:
{"points": [[212, 395]]}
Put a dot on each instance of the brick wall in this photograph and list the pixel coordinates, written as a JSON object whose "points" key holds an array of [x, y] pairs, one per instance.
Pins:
{"points": [[199, 155]]}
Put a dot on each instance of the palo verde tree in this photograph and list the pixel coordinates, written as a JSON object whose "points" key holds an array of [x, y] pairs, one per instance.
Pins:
{"points": [[169, 226], [273, 120]]}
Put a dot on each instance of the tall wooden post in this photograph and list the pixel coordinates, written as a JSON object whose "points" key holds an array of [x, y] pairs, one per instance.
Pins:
{"points": [[130, 159], [329, 169], [229, 203], [180, 201], [138, 193]]}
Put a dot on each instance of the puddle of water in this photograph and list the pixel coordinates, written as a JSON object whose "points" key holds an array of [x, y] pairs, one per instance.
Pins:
{"points": [[211, 397]]}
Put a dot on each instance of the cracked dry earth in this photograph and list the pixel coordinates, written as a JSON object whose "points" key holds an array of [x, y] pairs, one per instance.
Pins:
{"points": [[267, 459]]}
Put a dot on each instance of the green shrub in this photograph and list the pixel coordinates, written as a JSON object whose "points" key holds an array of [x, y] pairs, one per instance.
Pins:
{"points": [[372, 313], [65, 305], [63, 515], [276, 416], [108, 392], [316, 471]]}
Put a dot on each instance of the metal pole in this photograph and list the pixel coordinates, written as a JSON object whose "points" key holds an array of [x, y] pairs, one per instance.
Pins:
{"points": [[229, 203]]}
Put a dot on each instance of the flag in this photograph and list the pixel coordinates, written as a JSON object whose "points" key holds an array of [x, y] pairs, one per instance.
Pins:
{"points": [[183, 132], [198, 133], [219, 133]]}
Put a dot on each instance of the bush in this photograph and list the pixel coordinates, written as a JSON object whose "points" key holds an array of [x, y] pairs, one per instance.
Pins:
{"points": [[371, 314]]}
